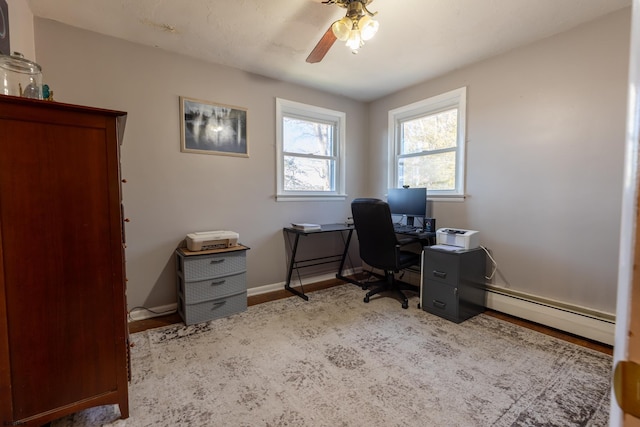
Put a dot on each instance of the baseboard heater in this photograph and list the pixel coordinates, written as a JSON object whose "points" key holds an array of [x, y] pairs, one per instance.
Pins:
{"points": [[583, 322], [580, 321]]}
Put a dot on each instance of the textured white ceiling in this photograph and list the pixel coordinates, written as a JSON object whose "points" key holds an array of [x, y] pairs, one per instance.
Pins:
{"points": [[417, 39]]}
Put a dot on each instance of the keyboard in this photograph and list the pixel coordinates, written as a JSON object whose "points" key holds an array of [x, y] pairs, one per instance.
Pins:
{"points": [[401, 228]]}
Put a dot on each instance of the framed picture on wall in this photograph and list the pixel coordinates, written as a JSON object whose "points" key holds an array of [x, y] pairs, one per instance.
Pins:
{"points": [[210, 128], [5, 45]]}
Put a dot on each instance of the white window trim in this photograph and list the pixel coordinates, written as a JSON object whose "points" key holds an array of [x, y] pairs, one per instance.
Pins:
{"points": [[338, 118], [455, 98]]}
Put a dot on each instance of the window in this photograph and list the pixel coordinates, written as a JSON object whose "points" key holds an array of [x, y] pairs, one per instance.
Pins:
{"points": [[426, 144], [310, 145]]}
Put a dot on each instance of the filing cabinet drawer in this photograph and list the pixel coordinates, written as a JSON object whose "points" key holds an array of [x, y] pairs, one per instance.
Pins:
{"points": [[206, 266], [442, 267], [216, 287], [441, 299]]}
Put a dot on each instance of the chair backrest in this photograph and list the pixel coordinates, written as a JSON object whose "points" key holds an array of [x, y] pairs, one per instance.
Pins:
{"points": [[376, 237]]}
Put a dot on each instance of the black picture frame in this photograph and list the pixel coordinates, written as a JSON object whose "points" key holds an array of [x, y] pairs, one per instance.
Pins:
{"points": [[212, 128], [5, 42]]}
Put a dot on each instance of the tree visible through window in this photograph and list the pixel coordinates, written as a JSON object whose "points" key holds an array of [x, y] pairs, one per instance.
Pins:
{"points": [[428, 144], [308, 155], [310, 151]]}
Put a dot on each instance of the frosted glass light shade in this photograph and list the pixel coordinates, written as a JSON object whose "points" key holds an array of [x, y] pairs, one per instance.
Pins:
{"points": [[342, 28], [355, 40], [368, 27]]}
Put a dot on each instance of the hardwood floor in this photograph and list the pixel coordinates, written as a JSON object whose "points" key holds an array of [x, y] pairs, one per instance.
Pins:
{"points": [[594, 345], [160, 321]]}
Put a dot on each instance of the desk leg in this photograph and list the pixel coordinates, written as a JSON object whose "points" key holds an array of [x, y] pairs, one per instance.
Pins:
{"points": [[292, 263], [345, 254]]}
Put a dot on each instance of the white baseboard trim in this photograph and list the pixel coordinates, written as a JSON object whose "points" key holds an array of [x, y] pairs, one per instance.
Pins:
{"points": [[572, 319], [149, 313], [265, 289]]}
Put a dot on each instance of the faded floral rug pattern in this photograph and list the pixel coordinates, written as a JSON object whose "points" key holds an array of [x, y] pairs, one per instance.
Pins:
{"points": [[336, 361]]}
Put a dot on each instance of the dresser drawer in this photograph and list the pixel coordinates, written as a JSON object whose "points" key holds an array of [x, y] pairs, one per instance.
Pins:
{"points": [[213, 309], [203, 290], [208, 266], [440, 299]]}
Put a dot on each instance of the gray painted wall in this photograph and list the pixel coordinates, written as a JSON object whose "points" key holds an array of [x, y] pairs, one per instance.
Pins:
{"points": [[168, 193], [545, 152], [544, 173]]}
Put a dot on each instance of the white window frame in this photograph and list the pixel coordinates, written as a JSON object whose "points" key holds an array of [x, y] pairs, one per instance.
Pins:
{"points": [[286, 108], [456, 98]]}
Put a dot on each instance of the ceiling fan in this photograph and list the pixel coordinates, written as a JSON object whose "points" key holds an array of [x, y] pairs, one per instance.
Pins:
{"points": [[355, 28]]}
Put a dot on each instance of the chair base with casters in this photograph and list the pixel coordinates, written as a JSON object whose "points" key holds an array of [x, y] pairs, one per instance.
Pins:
{"points": [[389, 283]]}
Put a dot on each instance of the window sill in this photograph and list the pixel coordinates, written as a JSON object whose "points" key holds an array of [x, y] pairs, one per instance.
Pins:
{"points": [[446, 198], [310, 197]]}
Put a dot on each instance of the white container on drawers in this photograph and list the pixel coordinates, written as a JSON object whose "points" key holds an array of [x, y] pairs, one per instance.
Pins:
{"points": [[211, 284]]}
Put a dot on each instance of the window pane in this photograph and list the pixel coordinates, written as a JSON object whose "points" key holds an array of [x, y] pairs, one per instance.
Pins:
{"points": [[307, 137], [428, 133], [305, 174], [436, 171]]}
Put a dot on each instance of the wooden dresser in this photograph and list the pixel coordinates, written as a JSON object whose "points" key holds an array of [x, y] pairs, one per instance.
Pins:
{"points": [[63, 324]]}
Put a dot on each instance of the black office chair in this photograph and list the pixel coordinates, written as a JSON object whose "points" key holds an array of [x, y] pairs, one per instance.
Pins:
{"points": [[380, 247]]}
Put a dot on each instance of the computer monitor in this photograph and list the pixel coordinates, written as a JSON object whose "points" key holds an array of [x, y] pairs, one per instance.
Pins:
{"points": [[411, 202]]}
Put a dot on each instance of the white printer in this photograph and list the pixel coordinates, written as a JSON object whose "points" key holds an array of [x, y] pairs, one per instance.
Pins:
{"points": [[457, 239], [205, 240]]}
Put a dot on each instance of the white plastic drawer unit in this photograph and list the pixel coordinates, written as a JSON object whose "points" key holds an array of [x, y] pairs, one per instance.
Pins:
{"points": [[211, 284], [196, 267]]}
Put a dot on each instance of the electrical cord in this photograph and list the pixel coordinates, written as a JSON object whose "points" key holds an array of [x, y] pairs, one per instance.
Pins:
{"points": [[157, 313], [493, 261]]}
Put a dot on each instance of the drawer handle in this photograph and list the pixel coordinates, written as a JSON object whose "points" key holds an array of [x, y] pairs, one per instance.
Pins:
{"points": [[439, 304], [440, 274], [217, 305], [219, 282], [217, 261]]}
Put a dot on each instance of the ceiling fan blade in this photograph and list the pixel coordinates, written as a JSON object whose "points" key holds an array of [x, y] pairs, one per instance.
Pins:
{"points": [[322, 47]]}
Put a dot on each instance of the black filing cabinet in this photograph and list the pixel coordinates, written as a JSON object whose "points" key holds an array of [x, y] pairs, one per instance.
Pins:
{"points": [[453, 284]]}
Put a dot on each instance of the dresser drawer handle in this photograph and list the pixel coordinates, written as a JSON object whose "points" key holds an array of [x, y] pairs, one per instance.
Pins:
{"points": [[439, 304], [217, 305], [219, 282], [440, 274], [217, 261]]}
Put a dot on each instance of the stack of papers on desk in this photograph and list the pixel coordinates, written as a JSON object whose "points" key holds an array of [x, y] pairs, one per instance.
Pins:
{"points": [[306, 226]]}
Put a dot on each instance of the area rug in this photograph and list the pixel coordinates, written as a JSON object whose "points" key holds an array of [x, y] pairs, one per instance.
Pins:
{"points": [[336, 361]]}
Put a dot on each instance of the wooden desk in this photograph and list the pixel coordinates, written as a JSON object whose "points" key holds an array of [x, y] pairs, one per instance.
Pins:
{"points": [[294, 234]]}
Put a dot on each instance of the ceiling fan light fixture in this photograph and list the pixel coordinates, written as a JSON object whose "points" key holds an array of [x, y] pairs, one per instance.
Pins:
{"points": [[355, 40], [342, 28], [354, 29], [368, 27]]}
